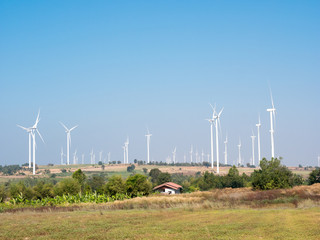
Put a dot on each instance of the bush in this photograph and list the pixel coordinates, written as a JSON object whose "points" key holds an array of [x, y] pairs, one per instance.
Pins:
{"points": [[43, 190], [272, 175], [233, 179], [67, 186], [163, 178], [96, 183], [131, 168], [3, 194], [115, 185], [137, 185], [154, 174], [314, 176]]}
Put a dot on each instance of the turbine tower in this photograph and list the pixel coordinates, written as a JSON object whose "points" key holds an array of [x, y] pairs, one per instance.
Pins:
{"points": [[100, 156], [191, 152], [272, 112], [109, 157], [197, 156], [202, 156], [258, 128], [148, 135], [124, 154], [127, 149], [253, 138], [239, 160], [91, 156], [75, 158], [68, 131], [174, 155], [61, 156], [226, 151], [211, 121]]}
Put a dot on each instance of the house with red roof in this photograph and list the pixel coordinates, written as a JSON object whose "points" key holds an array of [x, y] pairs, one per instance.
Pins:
{"points": [[168, 188]]}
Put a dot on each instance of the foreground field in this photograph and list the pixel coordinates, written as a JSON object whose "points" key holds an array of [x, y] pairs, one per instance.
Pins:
{"points": [[164, 224]]}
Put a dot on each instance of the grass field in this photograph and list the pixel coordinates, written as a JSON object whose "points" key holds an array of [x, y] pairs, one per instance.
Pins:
{"points": [[164, 224]]}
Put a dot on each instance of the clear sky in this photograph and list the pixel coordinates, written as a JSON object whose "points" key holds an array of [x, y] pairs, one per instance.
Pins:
{"points": [[116, 67]]}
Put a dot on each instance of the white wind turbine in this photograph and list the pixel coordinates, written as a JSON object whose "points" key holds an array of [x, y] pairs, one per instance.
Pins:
{"points": [[191, 153], [239, 160], [75, 157], [109, 157], [226, 151], [61, 156], [253, 138], [148, 135], [100, 156], [272, 112], [202, 156], [127, 149], [258, 125], [32, 134], [197, 156], [68, 131], [91, 156], [216, 121], [211, 121], [174, 155], [29, 131], [124, 154]]}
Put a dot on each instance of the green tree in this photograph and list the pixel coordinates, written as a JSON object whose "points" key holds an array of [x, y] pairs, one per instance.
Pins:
{"points": [[96, 183], [272, 175], [233, 179], [67, 186], [43, 190], [131, 168], [154, 174], [115, 185], [138, 185], [163, 178], [314, 176]]}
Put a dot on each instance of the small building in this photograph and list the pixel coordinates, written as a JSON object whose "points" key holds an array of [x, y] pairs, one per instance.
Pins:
{"points": [[168, 188]]}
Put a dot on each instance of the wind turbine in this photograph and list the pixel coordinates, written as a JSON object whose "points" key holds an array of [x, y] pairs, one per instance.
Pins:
{"points": [[197, 156], [29, 131], [100, 156], [127, 149], [202, 156], [61, 156], [68, 131], [75, 158], [272, 112], [258, 125], [32, 132], [124, 154], [191, 152], [109, 157], [211, 121], [148, 135], [174, 155], [92, 156], [253, 138], [239, 160], [226, 151]]}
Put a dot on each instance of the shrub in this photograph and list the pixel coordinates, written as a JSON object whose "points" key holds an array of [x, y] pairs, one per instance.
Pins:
{"points": [[67, 186], [137, 185], [314, 176], [272, 175], [131, 168], [115, 185]]}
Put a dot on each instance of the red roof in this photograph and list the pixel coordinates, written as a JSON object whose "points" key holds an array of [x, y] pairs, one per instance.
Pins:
{"points": [[169, 185]]}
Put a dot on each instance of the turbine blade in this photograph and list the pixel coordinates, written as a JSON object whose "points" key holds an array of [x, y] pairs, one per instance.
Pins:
{"points": [[73, 128], [23, 127], [220, 112], [64, 126], [40, 135]]}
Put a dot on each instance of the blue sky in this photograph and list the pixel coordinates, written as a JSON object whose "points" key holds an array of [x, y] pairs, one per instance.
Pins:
{"points": [[115, 67]]}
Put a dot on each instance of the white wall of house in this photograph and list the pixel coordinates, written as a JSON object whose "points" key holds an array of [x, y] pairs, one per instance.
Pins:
{"points": [[171, 191]]}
